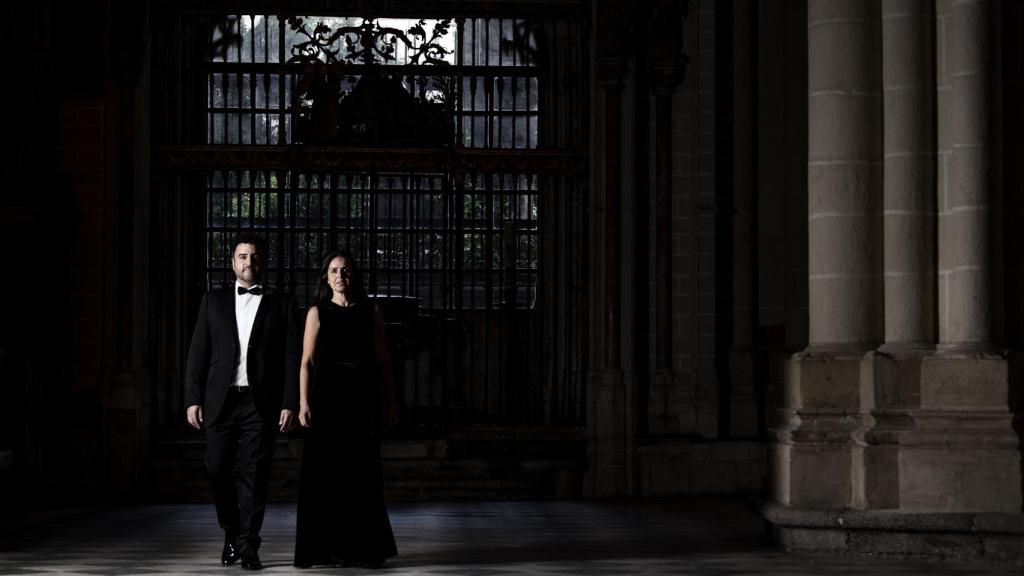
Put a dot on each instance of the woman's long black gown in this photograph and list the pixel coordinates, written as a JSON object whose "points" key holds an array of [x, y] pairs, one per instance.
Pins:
{"points": [[341, 517]]}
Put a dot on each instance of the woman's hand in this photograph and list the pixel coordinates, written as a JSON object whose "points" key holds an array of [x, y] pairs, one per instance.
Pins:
{"points": [[305, 416]]}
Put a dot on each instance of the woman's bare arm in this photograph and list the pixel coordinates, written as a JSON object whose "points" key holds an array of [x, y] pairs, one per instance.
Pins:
{"points": [[308, 360]]}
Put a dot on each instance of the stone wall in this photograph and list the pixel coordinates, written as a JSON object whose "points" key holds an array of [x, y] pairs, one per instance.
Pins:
{"points": [[673, 468], [686, 401]]}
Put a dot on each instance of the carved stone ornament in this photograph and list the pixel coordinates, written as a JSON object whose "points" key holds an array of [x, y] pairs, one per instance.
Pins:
{"points": [[665, 29], [664, 76], [611, 71], [666, 63], [615, 24]]}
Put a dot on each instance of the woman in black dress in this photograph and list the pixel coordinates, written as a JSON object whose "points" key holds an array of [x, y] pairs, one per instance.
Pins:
{"points": [[341, 517]]}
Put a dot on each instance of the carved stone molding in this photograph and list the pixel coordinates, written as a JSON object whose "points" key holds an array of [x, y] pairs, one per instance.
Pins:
{"points": [[665, 38], [666, 63], [664, 76], [611, 71], [615, 28], [128, 45]]}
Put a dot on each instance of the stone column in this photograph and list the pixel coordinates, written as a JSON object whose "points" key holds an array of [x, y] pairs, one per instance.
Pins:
{"points": [[926, 458], [965, 200], [942, 438], [611, 71], [963, 454], [816, 457], [609, 448], [125, 387], [844, 174], [666, 68], [908, 61]]}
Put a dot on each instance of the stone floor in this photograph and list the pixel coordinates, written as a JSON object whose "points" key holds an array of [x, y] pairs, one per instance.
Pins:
{"points": [[699, 536]]}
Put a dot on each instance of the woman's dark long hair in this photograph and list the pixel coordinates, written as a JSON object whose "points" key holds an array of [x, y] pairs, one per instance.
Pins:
{"points": [[324, 292]]}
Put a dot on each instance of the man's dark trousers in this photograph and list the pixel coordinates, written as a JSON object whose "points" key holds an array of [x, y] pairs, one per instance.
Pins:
{"points": [[239, 450]]}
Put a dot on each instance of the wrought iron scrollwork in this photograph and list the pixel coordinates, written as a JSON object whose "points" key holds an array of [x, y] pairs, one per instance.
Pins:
{"points": [[369, 43], [226, 35], [379, 109]]}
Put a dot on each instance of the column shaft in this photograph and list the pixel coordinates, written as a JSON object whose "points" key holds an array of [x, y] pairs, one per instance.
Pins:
{"points": [[666, 69], [909, 111], [663, 250], [844, 173], [613, 224], [965, 195]]}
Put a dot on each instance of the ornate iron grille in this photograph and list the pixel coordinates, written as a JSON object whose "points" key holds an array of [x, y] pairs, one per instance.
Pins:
{"points": [[471, 243], [276, 80], [453, 164], [279, 80]]}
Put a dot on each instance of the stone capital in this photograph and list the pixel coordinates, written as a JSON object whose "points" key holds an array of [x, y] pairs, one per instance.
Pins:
{"points": [[665, 75], [611, 72], [665, 28], [129, 69], [615, 27]]}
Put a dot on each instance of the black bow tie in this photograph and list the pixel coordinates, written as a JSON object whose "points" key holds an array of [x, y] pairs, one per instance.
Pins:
{"points": [[255, 290]]}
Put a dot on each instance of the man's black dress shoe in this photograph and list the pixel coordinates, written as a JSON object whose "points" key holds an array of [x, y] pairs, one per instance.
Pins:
{"points": [[230, 553], [251, 560]]}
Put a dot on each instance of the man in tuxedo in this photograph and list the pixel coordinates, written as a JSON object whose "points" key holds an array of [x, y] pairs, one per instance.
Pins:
{"points": [[241, 388]]}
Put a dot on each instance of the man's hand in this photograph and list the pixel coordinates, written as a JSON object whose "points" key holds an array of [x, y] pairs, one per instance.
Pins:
{"points": [[287, 421], [195, 416]]}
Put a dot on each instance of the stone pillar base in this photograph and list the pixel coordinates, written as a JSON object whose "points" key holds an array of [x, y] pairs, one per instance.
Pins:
{"points": [[126, 435], [898, 452], [943, 440], [968, 536], [608, 470], [815, 460], [670, 405]]}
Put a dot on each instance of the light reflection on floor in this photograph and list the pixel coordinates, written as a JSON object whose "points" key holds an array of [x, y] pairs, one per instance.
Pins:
{"points": [[701, 536]]}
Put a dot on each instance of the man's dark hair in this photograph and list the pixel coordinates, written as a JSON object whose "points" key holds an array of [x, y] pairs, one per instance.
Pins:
{"points": [[250, 237]]}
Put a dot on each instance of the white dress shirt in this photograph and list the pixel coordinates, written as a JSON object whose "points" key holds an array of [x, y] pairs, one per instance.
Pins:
{"points": [[246, 306]]}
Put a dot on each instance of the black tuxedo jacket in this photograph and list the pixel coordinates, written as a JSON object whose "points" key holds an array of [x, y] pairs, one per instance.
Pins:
{"points": [[273, 356]]}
